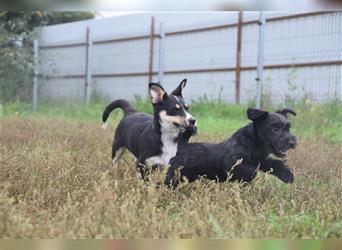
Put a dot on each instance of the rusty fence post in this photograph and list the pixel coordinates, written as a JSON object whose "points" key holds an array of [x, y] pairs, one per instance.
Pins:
{"points": [[150, 68], [35, 75], [88, 87], [260, 66], [238, 57]]}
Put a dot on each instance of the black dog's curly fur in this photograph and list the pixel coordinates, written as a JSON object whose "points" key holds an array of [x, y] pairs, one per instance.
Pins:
{"points": [[239, 157]]}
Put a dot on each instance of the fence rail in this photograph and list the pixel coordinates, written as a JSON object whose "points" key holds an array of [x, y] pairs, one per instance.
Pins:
{"points": [[203, 70]]}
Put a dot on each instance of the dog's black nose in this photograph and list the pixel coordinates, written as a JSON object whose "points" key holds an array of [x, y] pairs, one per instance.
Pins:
{"points": [[292, 143], [192, 121]]}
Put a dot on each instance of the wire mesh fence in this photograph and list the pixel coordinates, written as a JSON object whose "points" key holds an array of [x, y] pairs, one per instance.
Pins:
{"points": [[302, 59]]}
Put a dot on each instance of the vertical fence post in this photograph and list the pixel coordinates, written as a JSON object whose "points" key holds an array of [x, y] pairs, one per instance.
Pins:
{"points": [[238, 57], [150, 68], [161, 61], [88, 80], [260, 67], [35, 76], [341, 56]]}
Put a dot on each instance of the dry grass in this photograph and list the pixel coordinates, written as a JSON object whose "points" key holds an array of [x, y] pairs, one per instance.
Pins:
{"points": [[57, 180]]}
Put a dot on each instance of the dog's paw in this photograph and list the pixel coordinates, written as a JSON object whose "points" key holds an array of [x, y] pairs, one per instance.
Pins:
{"points": [[286, 176]]}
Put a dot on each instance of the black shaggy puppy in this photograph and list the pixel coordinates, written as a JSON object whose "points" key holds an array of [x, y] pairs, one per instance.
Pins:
{"points": [[153, 140], [238, 158]]}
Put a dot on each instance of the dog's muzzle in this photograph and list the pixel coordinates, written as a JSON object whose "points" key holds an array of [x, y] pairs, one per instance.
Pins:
{"points": [[292, 142]]}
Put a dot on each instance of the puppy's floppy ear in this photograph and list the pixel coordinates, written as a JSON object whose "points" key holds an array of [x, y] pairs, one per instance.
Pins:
{"points": [[256, 114], [178, 90], [157, 93], [285, 111]]}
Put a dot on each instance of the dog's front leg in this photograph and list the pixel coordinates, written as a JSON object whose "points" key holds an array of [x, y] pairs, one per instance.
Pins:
{"points": [[141, 165], [241, 172], [277, 168], [171, 180]]}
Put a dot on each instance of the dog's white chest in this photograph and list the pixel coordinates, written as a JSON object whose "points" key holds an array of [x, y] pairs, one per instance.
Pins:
{"points": [[169, 148]]}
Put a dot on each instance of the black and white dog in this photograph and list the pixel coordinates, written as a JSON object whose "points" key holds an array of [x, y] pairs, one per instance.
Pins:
{"points": [[238, 158], [153, 140]]}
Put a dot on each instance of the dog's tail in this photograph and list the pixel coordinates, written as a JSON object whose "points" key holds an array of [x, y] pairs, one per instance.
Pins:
{"points": [[121, 103]]}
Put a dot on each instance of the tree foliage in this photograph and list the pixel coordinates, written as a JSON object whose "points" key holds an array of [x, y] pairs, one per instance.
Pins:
{"points": [[16, 36]]}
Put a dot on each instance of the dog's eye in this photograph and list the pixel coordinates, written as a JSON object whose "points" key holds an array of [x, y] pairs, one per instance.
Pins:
{"points": [[275, 129], [186, 106]]}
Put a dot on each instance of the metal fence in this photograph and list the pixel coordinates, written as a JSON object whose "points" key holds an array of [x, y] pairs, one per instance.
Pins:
{"points": [[302, 57]]}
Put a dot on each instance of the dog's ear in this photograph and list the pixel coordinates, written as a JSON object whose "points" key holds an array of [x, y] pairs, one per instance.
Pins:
{"points": [[178, 90], [285, 111], [256, 114], [157, 93]]}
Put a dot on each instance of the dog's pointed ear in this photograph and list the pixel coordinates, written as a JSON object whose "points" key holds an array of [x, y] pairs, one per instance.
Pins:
{"points": [[256, 114], [285, 111], [178, 90], [157, 92]]}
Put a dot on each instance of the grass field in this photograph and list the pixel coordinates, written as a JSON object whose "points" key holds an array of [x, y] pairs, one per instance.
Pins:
{"points": [[57, 180]]}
